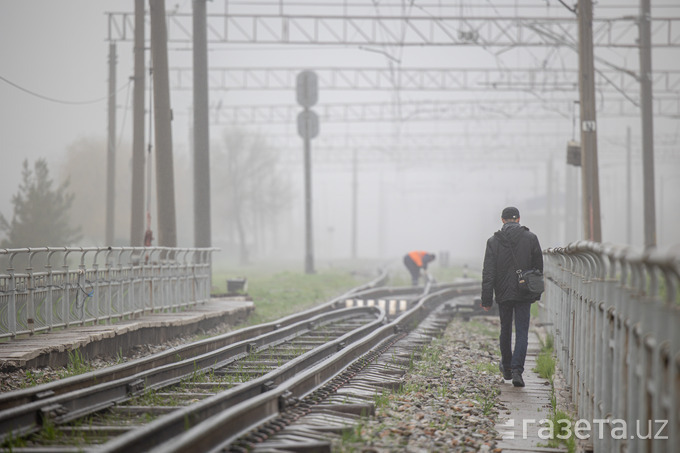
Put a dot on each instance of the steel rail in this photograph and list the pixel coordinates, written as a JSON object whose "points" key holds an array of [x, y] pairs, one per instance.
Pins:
{"points": [[59, 409], [229, 422], [43, 391]]}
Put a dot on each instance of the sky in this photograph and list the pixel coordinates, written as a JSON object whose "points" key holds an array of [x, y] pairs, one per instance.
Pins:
{"points": [[54, 82]]}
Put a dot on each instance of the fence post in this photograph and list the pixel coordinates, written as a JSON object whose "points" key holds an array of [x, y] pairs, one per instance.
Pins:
{"points": [[12, 306], [49, 318]]}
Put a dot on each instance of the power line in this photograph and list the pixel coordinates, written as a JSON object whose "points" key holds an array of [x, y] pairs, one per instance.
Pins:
{"points": [[59, 101]]}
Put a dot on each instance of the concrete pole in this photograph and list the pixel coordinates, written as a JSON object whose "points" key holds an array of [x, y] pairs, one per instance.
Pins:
{"points": [[202, 231], [592, 229], [355, 197], [137, 202], [646, 99], [111, 149], [550, 199], [165, 179], [629, 190], [309, 232]]}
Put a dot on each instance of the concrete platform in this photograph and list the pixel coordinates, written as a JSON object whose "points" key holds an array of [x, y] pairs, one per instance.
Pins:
{"points": [[52, 348], [524, 407]]}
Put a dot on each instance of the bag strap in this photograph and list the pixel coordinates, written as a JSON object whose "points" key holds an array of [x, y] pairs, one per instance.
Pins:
{"points": [[514, 258]]}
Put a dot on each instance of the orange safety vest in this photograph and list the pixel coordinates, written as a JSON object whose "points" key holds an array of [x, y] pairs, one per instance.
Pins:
{"points": [[417, 257]]}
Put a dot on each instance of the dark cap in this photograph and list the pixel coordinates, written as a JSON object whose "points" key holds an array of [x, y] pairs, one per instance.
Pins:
{"points": [[510, 213]]}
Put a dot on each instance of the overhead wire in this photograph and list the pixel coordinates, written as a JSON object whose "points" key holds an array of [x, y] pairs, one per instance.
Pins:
{"points": [[61, 101]]}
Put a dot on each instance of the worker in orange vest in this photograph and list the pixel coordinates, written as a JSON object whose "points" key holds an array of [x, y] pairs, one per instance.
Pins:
{"points": [[416, 262]]}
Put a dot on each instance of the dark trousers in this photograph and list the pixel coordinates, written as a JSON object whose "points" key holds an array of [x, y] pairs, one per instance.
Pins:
{"points": [[413, 269], [522, 311]]}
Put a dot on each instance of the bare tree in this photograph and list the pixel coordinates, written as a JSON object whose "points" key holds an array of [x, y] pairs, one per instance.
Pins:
{"points": [[250, 191]]}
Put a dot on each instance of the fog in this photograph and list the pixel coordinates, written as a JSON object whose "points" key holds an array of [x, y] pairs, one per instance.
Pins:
{"points": [[434, 168]]}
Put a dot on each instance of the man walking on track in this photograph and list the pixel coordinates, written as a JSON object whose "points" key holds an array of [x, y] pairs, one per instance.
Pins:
{"points": [[511, 249], [416, 261]]}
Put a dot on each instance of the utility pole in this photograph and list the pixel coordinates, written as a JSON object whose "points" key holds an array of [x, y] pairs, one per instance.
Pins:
{"points": [[629, 190], [111, 148], [138, 161], [165, 180], [592, 229], [355, 197], [202, 233], [550, 199], [307, 92], [646, 99]]}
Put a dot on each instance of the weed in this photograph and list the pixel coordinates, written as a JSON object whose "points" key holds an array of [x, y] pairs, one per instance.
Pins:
{"points": [[487, 399], [561, 434], [31, 380], [490, 368], [545, 365], [150, 398], [11, 442], [76, 365], [382, 399], [49, 432], [352, 435]]}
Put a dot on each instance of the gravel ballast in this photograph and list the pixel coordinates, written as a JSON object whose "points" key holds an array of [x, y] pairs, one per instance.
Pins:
{"points": [[448, 401]]}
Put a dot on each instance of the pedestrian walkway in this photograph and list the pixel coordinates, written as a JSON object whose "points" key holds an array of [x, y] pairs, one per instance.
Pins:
{"points": [[52, 348], [523, 407]]}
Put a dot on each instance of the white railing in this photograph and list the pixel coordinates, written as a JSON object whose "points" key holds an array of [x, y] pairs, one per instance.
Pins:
{"points": [[58, 287], [615, 316]]}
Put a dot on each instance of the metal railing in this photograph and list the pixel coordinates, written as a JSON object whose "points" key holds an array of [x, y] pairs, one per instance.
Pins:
{"points": [[61, 286], [615, 316]]}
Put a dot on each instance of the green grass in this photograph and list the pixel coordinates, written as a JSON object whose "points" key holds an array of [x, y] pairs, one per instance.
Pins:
{"points": [[487, 399], [483, 328], [76, 365], [382, 399], [490, 368], [545, 367], [545, 362], [534, 310], [280, 293], [562, 435], [401, 277]]}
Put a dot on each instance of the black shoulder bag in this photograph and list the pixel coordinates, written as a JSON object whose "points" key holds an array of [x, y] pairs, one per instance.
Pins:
{"points": [[530, 282]]}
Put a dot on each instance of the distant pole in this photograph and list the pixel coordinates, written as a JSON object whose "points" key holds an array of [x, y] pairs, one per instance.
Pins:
{"points": [[309, 232], [550, 201], [138, 160], [382, 209], [165, 180], [629, 190], [202, 232], [646, 99], [592, 229], [307, 94], [111, 149], [355, 197]]}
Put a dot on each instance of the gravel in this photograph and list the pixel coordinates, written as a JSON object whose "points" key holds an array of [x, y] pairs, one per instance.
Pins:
{"points": [[449, 401]]}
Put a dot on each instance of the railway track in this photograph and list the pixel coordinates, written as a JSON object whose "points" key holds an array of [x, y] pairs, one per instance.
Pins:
{"points": [[146, 404]]}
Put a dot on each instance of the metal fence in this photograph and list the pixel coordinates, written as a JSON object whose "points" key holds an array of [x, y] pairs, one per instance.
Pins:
{"points": [[615, 316], [46, 288]]}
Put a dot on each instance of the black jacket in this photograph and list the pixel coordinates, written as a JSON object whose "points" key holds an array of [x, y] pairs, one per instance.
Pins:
{"points": [[499, 274]]}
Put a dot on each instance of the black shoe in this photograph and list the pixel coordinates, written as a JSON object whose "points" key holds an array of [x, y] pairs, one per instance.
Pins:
{"points": [[507, 374], [517, 380]]}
